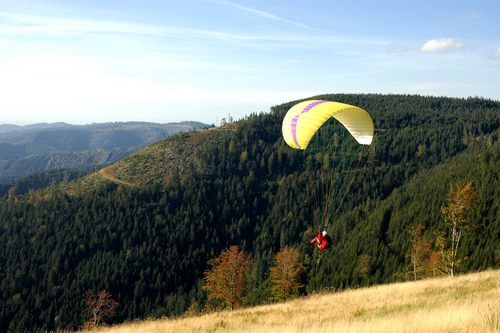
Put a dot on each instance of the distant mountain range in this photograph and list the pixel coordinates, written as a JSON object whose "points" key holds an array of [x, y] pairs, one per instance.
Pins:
{"points": [[9, 130], [32, 148]]}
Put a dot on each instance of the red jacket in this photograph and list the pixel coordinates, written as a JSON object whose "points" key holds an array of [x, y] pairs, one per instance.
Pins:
{"points": [[323, 240]]}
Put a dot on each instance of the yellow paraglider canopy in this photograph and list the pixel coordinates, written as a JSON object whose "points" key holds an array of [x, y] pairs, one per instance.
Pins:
{"points": [[303, 120]]}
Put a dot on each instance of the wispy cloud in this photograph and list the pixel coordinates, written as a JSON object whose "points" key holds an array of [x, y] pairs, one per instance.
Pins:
{"points": [[446, 45], [96, 33], [471, 15], [401, 49], [249, 9], [19, 23], [495, 55]]}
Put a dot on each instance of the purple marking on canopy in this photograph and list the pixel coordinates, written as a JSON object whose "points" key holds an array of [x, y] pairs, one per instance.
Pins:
{"points": [[296, 119]]}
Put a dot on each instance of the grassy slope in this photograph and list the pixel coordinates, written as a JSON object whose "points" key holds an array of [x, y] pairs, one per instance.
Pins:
{"points": [[467, 303]]}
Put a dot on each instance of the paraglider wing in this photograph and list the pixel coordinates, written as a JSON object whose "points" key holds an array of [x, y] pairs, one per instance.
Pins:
{"points": [[303, 120]]}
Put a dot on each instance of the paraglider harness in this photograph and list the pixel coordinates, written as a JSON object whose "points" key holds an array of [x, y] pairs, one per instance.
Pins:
{"points": [[328, 242], [324, 240]]}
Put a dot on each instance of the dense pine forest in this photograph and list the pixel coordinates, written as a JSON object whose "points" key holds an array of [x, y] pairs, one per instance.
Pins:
{"points": [[42, 179], [146, 235]]}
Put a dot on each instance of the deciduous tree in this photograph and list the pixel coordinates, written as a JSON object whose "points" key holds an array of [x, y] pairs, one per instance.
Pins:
{"points": [[365, 265], [460, 201], [285, 274], [227, 280], [422, 151], [420, 251], [434, 265], [101, 308]]}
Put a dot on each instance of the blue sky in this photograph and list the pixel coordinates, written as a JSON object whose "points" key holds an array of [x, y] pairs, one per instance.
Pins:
{"points": [[166, 61]]}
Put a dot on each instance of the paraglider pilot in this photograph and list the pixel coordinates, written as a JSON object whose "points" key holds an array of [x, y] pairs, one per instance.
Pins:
{"points": [[323, 241]]}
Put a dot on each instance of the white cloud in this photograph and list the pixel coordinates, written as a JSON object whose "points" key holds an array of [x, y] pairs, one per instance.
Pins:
{"points": [[446, 45]]}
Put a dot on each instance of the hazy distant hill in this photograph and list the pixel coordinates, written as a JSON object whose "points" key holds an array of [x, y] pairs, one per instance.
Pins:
{"points": [[64, 137], [33, 148], [8, 130]]}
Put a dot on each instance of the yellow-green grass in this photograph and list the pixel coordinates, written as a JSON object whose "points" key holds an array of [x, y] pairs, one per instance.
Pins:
{"points": [[467, 303]]}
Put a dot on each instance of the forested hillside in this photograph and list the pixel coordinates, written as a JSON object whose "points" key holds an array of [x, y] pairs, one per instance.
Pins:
{"points": [[42, 179], [192, 195], [16, 167], [33, 148]]}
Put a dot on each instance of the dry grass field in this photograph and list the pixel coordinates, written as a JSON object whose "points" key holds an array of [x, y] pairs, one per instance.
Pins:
{"points": [[468, 303]]}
